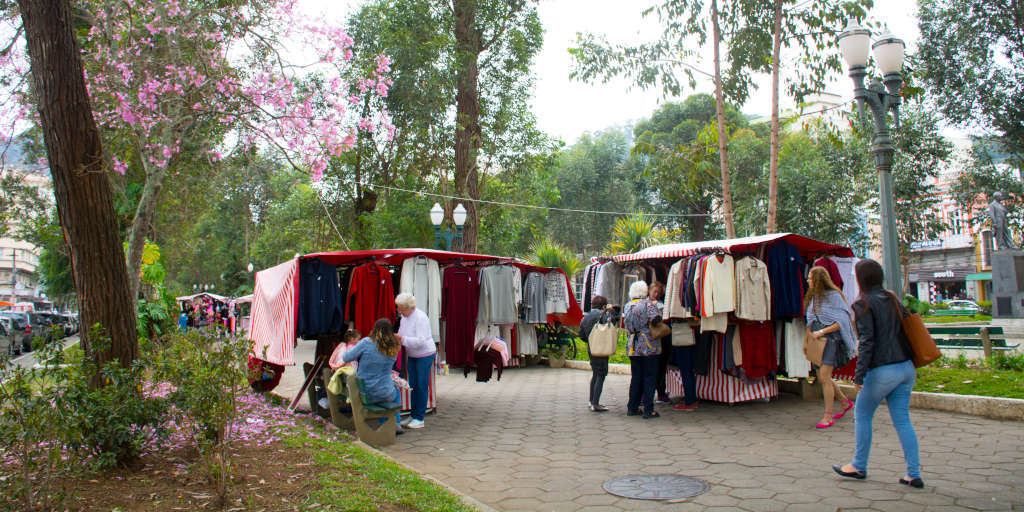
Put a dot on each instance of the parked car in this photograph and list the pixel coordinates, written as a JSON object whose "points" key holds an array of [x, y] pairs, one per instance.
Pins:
{"points": [[22, 328], [58, 324], [959, 307], [71, 323], [7, 337], [42, 326]]}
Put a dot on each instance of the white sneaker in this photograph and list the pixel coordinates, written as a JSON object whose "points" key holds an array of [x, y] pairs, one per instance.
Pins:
{"points": [[415, 424]]}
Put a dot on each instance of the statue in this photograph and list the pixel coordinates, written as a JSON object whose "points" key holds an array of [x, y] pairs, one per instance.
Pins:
{"points": [[1000, 230]]}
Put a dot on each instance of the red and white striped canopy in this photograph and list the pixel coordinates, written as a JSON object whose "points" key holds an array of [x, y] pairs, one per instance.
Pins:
{"points": [[667, 251]]}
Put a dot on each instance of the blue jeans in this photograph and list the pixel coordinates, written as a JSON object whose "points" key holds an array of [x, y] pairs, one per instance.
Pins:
{"points": [[395, 402], [644, 370], [683, 358], [893, 382], [419, 379]]}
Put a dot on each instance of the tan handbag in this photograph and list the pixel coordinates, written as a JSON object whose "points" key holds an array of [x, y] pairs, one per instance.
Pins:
{"points": [[921, 342], [660, 330], [603, 339], [814, 347]]}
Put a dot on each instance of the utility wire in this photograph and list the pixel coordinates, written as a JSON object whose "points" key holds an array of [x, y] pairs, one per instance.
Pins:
{"points": [[531, 206]]}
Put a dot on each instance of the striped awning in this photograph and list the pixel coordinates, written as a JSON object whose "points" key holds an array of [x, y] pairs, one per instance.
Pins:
{"points": [[804, 244]]}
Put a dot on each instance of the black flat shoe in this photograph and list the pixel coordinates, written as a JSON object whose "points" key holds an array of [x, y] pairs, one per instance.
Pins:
{"points": [[859, 475], [916, 483], [653, 414], [633, 413]]}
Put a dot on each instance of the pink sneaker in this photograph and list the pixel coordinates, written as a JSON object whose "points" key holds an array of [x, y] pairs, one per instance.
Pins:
{"points": [[685, 408]]}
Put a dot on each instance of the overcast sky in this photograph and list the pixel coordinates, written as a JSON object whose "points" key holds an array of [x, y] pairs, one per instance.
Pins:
{"points": [[566, 108]]}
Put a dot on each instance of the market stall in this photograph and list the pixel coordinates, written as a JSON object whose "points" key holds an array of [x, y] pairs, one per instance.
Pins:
{"points": [[204, 307], [741, 298], [469, 298]]}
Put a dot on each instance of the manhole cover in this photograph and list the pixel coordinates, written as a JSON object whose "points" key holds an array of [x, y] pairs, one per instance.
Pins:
{"points": [[655, 487]]}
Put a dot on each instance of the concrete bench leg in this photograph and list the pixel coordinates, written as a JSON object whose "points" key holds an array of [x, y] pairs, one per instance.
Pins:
{"points": [[369, 428], [339, 418]]}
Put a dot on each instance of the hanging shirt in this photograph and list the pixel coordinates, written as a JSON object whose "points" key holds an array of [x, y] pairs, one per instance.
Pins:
{"points": [[784, 271], [320, 302], [833, 271], [421, 277], [753, 290], [674, 307], [526, 334], [371, 296], [500, 292], [534, 299], [461, 297], [719, 285], [556, 293]]}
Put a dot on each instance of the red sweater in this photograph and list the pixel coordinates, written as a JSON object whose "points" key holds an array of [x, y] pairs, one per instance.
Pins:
{"points": [[370, 296]]}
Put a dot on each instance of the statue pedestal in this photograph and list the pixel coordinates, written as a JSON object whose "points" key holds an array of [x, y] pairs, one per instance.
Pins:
{"points": [[1008, 284]]}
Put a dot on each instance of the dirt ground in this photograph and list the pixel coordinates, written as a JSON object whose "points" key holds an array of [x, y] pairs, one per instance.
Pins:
{"points": [[266, 478]]}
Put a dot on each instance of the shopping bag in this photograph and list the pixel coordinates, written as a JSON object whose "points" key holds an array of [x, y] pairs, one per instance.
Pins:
{"points": [[660, 330], [921, 343], [604, 339]]}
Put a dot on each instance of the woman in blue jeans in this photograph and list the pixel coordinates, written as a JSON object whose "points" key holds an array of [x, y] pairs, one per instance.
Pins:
{"points": [[884, 371]]}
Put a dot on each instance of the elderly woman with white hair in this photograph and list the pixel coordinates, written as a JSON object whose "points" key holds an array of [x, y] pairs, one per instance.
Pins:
{"points": [[414, 334], [642, 349]]}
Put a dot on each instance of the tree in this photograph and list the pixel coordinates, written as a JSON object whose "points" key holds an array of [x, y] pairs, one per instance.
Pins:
{"points": [[970, 60], [679, 145], [170, 80], [984, 174], [592, 175], [506, 35], [80, 183]]}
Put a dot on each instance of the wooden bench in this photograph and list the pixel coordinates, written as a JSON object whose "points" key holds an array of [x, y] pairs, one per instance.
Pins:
{"points": [[367, 417], [341, 413], [971, 337]]}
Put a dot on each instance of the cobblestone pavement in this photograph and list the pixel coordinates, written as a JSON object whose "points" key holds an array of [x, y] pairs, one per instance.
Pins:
{"points": [[529, 442]]}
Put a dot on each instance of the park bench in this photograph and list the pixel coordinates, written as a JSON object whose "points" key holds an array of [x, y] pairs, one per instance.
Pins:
{"points": [[954, 312], [367, 417], [971, 337], [341, 413]]}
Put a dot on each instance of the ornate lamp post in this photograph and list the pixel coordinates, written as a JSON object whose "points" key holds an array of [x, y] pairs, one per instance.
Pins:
{"points": [[853, 43], [449, 236]]}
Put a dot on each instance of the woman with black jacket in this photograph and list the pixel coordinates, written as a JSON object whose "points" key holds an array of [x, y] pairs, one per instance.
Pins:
{"points": [[884, 371]]}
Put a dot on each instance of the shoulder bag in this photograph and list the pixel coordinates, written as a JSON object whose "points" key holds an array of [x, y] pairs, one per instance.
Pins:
{"points": [[660, 330], [814, 347], [921, 343], [604, 338]]}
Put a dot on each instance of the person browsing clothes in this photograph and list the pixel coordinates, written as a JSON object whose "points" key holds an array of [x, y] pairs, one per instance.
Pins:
{"points": [[414, 334]]}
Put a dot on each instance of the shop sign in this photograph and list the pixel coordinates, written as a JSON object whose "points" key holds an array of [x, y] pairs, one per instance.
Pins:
{"points": [[947, 273], [926, 244]]}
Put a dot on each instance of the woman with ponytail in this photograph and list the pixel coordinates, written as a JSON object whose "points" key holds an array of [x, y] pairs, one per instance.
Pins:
{"points": [[376, 356]]}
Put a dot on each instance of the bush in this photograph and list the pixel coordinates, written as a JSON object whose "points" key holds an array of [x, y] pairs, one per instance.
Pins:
{"points": [[940, 305], [1002, 361], [53, 424], [915, 306], [206, 375], [985, 305]]}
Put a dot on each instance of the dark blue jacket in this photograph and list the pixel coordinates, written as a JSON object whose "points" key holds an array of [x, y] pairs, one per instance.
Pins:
{"points": [[321, 308]]}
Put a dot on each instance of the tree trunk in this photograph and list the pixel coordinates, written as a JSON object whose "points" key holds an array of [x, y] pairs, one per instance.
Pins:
{"points": [[467, 126], [80, 185], [773, 158], [730, 228], [144, 214], [697, 224]]}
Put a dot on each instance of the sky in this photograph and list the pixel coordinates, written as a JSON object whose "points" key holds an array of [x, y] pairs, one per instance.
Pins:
{"points": [[566, 108]]}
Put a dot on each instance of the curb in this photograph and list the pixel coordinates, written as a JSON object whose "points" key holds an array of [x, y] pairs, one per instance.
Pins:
{"points": [[975, 405]]}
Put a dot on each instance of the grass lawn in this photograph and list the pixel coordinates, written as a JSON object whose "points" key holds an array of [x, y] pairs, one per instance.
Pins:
{"points": [[970, 381], [931, 319], [355, 479]]}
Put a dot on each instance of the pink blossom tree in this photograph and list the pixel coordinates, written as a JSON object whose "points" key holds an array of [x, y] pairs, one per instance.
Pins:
{"points": [[172, 79]]}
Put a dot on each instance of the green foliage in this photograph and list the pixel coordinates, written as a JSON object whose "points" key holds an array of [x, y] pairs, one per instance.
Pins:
{"points": [[206, 374], [969, 59], [915, 306], [158, 312], [592, 175], [1007, 361], [549, 253], [634, 233], [985, 305], [54, 423], [984, 175]]}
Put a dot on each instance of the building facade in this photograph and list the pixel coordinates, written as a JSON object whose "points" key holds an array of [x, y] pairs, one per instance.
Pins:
{"points": [[19, 260]]}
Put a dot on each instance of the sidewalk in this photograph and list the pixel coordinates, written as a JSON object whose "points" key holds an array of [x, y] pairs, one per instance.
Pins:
{"points": [[528, 442]]}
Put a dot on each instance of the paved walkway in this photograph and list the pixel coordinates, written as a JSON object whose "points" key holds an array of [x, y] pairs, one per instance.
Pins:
{"points": [[528, 442]]}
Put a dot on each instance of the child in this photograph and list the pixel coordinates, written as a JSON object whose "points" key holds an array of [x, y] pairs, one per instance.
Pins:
{"points": [[351, 337]]}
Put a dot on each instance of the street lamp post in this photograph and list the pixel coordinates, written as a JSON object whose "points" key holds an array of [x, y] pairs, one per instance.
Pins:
{"points": [[449, 236], [853, 43]]}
